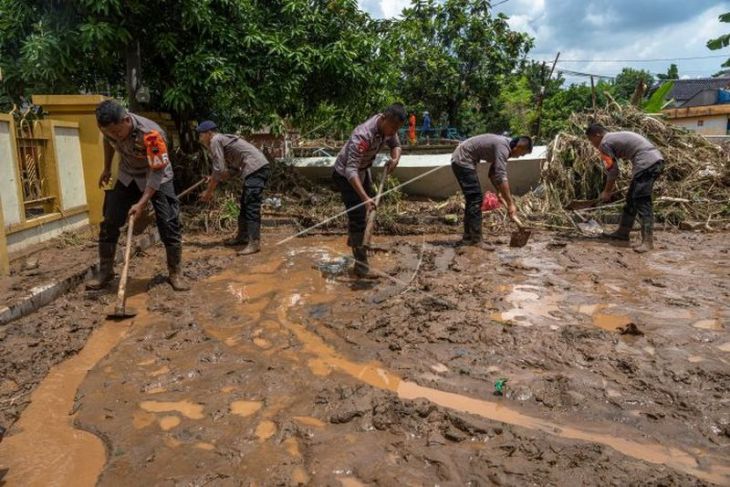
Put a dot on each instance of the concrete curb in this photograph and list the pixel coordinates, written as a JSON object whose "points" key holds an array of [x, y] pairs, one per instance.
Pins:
{"points": [[44, 294]]}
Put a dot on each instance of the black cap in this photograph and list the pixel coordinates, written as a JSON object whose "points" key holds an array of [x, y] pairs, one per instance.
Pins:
{"points": [[206, 126]]}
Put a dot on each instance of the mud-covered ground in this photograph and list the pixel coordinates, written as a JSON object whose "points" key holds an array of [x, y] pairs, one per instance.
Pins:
{"points": [[280, 369]]}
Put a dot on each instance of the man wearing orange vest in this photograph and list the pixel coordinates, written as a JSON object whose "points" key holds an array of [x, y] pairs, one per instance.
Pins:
{"points": [[141, 179], [647, 163]]}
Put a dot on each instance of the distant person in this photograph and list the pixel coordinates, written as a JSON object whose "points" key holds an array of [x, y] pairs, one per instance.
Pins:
{"points": [[412, 129], [352, 176], [233, 156], [426, 128], [496, 150], [444, 122], [647, 164], [139, 181]]}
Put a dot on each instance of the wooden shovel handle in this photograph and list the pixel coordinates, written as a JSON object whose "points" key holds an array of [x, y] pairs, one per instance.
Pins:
{"points": [[371, 215], [121, 293], [516, 219]]}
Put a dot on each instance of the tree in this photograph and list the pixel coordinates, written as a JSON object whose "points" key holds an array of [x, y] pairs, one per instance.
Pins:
{"points": [[722, 41], [246, 62], [672, 73], [627, 81], [453, 56], [518, 105]]}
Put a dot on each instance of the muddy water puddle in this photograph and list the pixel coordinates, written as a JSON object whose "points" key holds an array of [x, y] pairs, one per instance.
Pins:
{"points": [[47, 449], [296, 288], [265, 310]]}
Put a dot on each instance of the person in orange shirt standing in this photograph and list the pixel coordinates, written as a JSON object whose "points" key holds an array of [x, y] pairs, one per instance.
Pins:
{"points": [[412, 129]]}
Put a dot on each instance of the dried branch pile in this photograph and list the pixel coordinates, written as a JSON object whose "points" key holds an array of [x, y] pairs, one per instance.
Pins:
{"points": [[695, 185]]}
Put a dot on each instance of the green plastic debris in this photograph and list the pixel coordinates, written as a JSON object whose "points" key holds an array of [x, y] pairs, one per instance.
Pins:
{"points": [[500, 386]]}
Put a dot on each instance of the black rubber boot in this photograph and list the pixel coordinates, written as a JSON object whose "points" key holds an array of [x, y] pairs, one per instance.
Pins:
{"points": [[174, 268], [362, 268], [106, 267], [253, 230], [647, 238], [622, 233], [241, 238]]}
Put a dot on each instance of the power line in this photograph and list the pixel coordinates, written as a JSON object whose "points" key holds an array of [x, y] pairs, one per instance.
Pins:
{"points": [[499, 3], [655, 60]]}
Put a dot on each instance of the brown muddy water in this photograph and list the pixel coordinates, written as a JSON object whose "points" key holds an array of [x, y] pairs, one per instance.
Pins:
{"points": [[279, 369]]}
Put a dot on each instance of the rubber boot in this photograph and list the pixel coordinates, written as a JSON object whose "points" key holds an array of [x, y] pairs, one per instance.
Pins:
{"points": [[254, 239], [622, 233], [472, 231], [362, 268], [174, 268], [105, 273], [241, 238], [647, 238]]}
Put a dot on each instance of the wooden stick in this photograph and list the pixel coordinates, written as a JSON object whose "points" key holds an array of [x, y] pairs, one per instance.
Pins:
{"points": [[371, 215], [121, 293]]}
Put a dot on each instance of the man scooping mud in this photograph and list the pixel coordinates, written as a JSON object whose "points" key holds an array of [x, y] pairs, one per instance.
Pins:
{"points": [[352, 176], [647, 163], [141, 180], [495, 150], [232, 155]]}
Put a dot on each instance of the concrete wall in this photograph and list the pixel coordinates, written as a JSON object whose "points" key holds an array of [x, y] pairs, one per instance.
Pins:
{"points": [[65, 173], [9, 181], [711, 125], [70, 166], [37, 234]]}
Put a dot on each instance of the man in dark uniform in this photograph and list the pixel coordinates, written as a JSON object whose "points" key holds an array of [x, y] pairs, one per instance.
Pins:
{"points": [[138, 183], [232, 155], [496, 150], [647, 164], [352, 176]]}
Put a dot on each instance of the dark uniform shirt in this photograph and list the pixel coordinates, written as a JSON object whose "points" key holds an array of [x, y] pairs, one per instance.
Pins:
{"points": [[491, 148], [358, 154], [133, 164], [233, 154], [629, 146]]}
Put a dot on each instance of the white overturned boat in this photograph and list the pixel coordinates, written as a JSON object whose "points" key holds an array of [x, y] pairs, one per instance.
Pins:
{"points": [[523, 172]]}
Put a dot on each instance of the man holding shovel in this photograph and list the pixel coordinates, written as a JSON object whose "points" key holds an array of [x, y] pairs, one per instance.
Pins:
{"points": [[232, 155], [496, 150], [352, 177], [647, 163], [140, 181]]}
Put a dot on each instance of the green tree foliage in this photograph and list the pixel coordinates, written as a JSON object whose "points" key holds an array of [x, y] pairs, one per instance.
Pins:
{"points": [[452, 56], [722, 41], [627, 80], [517, 101], [573, 98], [245, 62], [672, 73]]}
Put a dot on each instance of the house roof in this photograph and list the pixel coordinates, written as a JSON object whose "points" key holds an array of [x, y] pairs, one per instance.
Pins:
{"points": [[684, 89]]}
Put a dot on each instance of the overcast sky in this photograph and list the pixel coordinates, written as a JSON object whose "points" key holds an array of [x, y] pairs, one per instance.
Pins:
{"points": [[606, 30]]}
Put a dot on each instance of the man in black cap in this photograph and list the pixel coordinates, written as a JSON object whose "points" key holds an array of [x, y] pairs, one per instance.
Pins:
{"points": [[140, 181], [232, 155]]}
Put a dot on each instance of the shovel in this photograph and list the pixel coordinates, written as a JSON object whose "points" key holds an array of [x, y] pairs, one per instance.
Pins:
{"points": [[371, 215], [587, 226], [519, 237], [141, 223], [120, 310]]}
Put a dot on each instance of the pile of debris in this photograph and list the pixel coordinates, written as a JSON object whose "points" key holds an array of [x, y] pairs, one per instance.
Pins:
{"points": [[695, 186]]}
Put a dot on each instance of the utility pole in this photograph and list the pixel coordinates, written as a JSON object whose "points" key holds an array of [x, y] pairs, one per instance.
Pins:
{"points": [[541, 96]]}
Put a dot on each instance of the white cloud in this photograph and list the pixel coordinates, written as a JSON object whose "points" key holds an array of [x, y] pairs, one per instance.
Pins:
{"points": [[384, 8]]}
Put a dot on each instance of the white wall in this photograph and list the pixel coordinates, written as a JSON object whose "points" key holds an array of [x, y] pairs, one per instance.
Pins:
{"points": [[711, 125], [34, 235], [70, 167], [8, 178]]}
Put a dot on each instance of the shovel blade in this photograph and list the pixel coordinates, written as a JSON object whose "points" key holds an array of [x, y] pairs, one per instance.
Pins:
{"points": [[519, 238], [591, 228], [122, 313]]}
